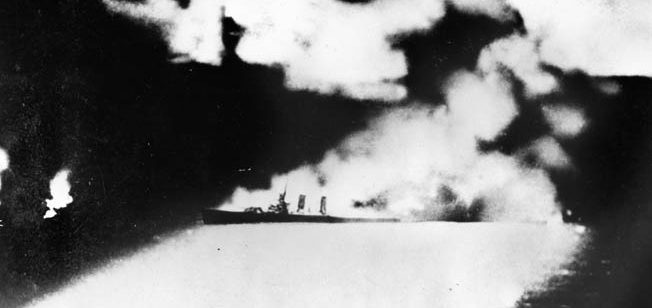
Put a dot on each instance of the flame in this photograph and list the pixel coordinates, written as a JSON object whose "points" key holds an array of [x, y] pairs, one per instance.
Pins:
{"points": [[4, 165], [60, 191], [4, 162]]}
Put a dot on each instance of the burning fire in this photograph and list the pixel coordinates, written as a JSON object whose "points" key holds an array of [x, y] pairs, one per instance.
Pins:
{"points": [[4, 162], [60, 191], [4, 165]]}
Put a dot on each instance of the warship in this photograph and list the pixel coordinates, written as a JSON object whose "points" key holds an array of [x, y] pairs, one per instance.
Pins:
{"points": [[279, 213]]}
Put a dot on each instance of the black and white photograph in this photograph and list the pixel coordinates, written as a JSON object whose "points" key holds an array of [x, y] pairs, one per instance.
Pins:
{"points": [[325, 153]]}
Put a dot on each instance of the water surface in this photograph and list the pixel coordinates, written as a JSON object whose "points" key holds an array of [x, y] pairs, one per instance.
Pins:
{"points": [[323, 265]]}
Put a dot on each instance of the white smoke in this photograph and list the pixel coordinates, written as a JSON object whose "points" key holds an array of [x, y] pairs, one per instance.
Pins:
{"points": [[520, 55], [60, 191], [497, 9], [331, 46], [412, 153], [192, 33], [417, 161], [565, 121], [410, 156], [550, 153], [325, 46], [599, 37]]}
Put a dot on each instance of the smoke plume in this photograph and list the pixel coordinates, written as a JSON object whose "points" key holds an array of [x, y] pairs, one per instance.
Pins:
{"points": [[333, 46], [192, 33], [607, 38], [414, 161], [324, 46], [421, 162]]}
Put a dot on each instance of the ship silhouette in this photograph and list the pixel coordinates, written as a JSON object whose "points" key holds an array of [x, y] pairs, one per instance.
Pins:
{"points": [[279, 213]]}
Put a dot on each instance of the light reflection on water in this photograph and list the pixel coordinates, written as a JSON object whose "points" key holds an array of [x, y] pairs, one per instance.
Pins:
{"points": [[581, 282], [352, 265]]}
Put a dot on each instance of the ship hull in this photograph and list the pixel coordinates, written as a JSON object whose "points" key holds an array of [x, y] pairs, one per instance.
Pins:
{"points": [[219, 217]]}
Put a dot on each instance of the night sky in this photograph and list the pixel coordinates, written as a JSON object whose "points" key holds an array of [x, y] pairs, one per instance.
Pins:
{"points": [[151, 142]]}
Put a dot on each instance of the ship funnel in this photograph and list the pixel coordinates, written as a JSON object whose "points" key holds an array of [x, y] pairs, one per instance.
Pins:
{"points": [[301, 204], [322, 205]]}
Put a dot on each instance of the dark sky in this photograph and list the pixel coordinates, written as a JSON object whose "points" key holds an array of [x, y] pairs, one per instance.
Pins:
{"points": [[150, 143]]}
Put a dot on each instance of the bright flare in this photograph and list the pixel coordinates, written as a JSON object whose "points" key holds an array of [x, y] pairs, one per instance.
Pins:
{"points": [[60, 191]]}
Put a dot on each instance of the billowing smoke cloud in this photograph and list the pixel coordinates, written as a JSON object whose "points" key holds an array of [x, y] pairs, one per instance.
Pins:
{"points": [[325, 46], [192, 33], [332, 46], [520, 55], [424, 162], [417, 159], [60, 191], [599, 37], [329, 45]]}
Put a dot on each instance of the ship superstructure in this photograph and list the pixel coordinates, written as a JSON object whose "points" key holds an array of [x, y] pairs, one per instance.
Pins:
{"points": [[280, 212]]}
